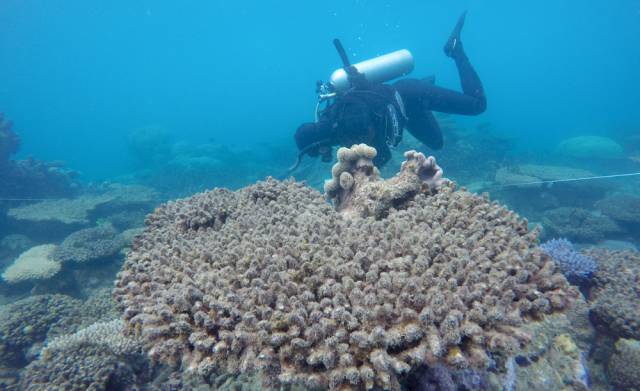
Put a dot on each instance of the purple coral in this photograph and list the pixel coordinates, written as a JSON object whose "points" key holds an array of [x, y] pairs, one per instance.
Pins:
{"points": [[575, 266]]}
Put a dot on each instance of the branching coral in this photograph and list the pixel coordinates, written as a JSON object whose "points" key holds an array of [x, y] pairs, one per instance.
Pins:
{"points": [[271, 279], [576, 267], [98, 357]]}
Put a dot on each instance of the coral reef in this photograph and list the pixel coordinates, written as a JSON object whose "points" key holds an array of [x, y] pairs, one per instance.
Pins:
{"points": [[590, 147], [99, 307], [30, 178], [526, 173], [441, 378], [126, 197], [463, 145], [36, 263], [624, 208], [9, 141], [129, 235], [625, 364], [150, 145], [178, 169], [575, 266], [90, 244], [55, 219], [519, 187], [615, 298], [29, 321], [127, 219], [73, 211], [578, 224], [271, 279], [98, 357], [555, 357], [357, 190], [105, 335]]}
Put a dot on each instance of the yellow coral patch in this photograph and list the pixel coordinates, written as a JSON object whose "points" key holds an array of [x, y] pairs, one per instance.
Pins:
{"points": [[565, 343]]}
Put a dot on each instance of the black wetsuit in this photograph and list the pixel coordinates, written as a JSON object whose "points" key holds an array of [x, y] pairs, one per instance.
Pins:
{"points": [[363, 114]]}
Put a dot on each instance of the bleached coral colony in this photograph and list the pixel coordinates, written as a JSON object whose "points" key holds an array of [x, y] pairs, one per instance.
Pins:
{"points": [[400, 273]]}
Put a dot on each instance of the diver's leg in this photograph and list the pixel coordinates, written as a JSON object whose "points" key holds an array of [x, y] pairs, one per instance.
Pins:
{"points": [[426, 129], [469, 79], [472, 101]]}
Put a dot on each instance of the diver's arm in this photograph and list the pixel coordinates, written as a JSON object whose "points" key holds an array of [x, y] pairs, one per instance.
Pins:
{"points": [[426, 129]]}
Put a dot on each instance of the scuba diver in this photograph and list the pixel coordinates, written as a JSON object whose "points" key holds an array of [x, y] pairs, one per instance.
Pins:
{"points": [[359, 108]]}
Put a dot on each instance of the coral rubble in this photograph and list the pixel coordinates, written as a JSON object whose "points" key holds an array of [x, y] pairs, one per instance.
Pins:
{"points": [[271, 279]]}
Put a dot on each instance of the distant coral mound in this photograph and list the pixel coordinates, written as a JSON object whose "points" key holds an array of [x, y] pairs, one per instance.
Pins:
{"points": [[9, 141], [89, 244], [615, 298], [271, 278], [590, 147], [30, 178]]}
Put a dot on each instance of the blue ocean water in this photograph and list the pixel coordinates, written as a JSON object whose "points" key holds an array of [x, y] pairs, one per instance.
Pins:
{"points": [[117, 116], [79, 76]]}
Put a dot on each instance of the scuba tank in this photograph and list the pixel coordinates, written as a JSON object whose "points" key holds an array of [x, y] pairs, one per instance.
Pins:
{"points": [[375, 70]]}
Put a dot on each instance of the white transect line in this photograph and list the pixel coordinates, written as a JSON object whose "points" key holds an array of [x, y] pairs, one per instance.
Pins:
{"points": [[31, 199], [588, 178]]}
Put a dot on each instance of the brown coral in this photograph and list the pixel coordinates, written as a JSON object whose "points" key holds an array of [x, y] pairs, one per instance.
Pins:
{"points": [[272, 279], [615, 298], [624, 364], [357, 190]]}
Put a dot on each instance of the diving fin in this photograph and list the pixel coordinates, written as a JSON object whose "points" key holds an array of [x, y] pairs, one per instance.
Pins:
{"points": [[453, 44]]}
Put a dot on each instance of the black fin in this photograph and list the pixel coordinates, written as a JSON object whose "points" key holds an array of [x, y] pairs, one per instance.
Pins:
{"points": [[454, 39]]}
